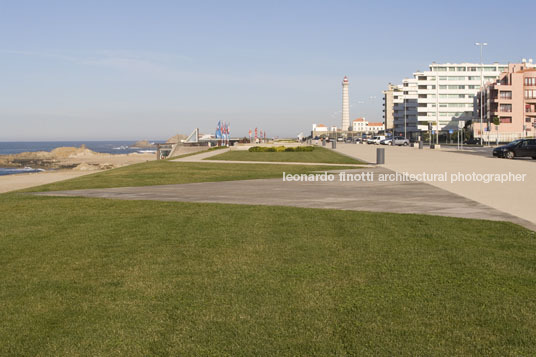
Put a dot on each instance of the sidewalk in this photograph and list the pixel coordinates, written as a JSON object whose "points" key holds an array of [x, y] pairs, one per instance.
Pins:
{"points": [[518, 199], [375, 196]]}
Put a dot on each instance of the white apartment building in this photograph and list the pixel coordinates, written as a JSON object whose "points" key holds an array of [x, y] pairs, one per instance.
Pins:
{"points": [[443, 95], [361, 125], [405, 109]]}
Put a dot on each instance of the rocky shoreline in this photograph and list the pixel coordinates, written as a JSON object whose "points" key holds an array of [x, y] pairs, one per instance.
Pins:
{"points": [[72, 158]]}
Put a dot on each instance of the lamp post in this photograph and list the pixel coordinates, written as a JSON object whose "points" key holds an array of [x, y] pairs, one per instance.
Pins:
{"points": [[481, 44]]}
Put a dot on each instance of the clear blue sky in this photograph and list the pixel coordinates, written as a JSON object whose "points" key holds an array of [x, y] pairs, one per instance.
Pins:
{"points": [[131, 69]]}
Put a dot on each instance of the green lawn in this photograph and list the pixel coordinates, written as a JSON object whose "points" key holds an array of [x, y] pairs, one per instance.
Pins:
{"points": [[165, 172], [319, 154], [104, 277]]}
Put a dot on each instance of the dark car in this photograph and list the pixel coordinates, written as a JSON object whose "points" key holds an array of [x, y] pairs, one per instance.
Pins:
{"points": [[473, 141], [517, 148]]}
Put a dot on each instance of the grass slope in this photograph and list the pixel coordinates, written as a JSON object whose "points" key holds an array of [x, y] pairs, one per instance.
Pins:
{"points": [[320, 155], [106, 277], [166, 172]]}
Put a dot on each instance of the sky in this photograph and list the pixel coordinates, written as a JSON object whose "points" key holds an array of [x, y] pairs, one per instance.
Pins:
{"points": [[130, 70]]}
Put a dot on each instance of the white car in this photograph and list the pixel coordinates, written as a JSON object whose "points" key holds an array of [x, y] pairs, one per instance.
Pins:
{"points": [[376, 140], [386, 141], [401, 141]]}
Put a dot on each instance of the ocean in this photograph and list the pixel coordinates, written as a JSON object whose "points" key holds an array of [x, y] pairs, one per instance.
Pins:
{"points": [[108, 147]]}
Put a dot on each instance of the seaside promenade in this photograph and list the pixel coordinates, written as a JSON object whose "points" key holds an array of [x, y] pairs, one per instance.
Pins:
{"points": [[437, 198], [515, 198]]}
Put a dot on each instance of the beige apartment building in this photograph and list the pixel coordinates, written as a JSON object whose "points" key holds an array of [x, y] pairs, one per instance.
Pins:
{"points": [[391, 96], [512, 99]]}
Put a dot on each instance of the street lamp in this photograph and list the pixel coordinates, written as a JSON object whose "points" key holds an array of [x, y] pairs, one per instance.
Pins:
{"points": [[481, 44], [405, 119]]}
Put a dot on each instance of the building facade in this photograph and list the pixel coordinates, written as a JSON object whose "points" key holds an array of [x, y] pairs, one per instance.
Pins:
{"points": [[392, 93], [360, 125], [405, 110], [512, 100], [443, 96], [319, 130]]}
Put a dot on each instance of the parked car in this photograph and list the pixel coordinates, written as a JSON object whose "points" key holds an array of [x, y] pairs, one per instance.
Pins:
{"points": [[517, 148], [376, 139], [386, 141], [400, 141], [474, 141], [340, 138]]}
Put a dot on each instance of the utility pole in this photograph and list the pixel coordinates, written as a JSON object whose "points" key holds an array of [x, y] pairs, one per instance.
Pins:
{"points": [[481, 44]]}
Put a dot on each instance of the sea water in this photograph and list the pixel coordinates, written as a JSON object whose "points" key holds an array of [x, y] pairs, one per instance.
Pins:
{"points": [[107, 147]]}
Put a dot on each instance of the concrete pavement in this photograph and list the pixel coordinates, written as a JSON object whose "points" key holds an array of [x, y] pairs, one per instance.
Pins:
{"points": [[515, 198], [396, 197]]}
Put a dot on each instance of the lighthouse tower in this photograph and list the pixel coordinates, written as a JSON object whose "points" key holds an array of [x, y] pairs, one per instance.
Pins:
{"points": [[345, 105]]}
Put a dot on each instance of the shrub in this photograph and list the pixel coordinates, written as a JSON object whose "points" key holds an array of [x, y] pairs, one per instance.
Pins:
{"points": [[280, 149]]}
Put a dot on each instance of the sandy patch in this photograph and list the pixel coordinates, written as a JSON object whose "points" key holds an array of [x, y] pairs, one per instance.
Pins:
{"points": [[20, 181]]}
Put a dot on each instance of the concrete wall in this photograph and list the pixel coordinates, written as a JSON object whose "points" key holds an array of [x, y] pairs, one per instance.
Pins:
{"points": [[181, 150]]}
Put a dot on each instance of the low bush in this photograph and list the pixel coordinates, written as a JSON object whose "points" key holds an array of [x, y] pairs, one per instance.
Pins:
{"points": [[280, 149]]}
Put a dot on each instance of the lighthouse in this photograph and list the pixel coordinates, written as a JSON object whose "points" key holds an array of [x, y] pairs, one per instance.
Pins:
{"points": [[345, 105]]}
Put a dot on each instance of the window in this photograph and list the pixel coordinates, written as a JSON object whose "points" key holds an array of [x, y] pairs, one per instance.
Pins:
{"points": [[530, 81], [474, 78], [505, 94], [530, 93], [473, 87], [503, 69], [505, 120], [452, 69], [443, 78], [489, 69], [507, 108], [460, 69], [431, 78], [471, 69], [441, 69]]}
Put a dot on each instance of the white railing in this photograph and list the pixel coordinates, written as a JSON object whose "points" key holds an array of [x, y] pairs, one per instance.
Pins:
{"points": [[491, 136]]}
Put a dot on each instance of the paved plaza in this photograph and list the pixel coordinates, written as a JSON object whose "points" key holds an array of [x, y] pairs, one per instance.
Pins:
{"points": [[515, 198], [493, 201]]}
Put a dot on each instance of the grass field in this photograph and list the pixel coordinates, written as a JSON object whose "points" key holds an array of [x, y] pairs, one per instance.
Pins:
{"points": [[92, 277], [108, 277], [165, 172], [320, 155]]}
